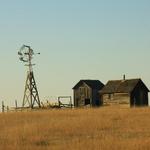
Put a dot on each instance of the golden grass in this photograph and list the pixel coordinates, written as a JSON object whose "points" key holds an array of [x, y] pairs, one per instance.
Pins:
{"points": [[107, 128]]}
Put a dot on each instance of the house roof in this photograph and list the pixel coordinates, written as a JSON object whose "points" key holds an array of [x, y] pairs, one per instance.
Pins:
{"points": [[94, 84], [121, 86]]}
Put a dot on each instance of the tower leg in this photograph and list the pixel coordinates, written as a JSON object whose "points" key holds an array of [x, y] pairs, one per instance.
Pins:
{"points": [[31, 96]]}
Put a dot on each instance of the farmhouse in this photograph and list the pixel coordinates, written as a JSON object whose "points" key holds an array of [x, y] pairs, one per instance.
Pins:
{"points": [[132, 92], [86, 92]]}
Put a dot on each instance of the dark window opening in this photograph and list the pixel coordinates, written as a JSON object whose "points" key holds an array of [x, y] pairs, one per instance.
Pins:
{"points": [[87, 101], [109, 96]]}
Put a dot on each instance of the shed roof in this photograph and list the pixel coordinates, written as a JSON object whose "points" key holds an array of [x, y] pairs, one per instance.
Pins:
{"points": [[94, 84], [121, 86]]}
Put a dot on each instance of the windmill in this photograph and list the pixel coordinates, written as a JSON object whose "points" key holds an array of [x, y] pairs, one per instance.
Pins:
{"points": [[31, 96]]}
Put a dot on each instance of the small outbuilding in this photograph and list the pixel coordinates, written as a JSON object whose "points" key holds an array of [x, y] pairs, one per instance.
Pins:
{"points": [[86, 93], [132, 92]]}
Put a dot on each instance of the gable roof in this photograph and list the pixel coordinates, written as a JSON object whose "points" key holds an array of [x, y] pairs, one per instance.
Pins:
{"points": [[94, 84], [121, 86]]}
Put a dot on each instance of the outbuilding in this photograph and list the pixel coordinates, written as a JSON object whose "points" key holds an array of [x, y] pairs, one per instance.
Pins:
{"points": [[86, 93], [132, 92]]}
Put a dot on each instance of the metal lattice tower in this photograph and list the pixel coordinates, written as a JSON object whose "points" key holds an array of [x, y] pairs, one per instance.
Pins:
{"points": [[31, 96]]}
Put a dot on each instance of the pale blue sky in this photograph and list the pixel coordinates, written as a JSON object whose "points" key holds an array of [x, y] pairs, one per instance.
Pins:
{"points": [[78, 39]]}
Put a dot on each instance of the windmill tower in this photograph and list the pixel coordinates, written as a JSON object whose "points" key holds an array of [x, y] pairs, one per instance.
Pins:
{"points": [[31, 96]]}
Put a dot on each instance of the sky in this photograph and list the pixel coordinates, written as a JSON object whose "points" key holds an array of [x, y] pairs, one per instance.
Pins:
{"points": [[77, 39]]}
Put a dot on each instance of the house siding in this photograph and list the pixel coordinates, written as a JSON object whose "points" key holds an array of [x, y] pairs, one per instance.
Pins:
{"points": [[81, 94], [139, 96], [116, 98]]}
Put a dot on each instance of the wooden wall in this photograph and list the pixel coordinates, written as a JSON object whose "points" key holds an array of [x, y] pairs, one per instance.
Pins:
{"points": [[82, 93], [139, 97], [96, 98], [116, 98], [86, 96]]}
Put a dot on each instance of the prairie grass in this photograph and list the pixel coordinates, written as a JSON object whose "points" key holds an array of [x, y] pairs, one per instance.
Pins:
{"points": [[106, 128]]}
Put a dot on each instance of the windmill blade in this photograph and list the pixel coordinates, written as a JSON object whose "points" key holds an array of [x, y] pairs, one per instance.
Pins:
{"points": [[25, 60], [22, 47], [19, 53], [21, 58], [26, 46]]}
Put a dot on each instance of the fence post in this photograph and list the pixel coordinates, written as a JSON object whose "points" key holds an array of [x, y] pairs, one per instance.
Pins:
{"points": [[7, 108], [3, 107], [16, 104]]}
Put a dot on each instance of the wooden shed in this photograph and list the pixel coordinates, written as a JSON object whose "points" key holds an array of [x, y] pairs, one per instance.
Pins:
{"points": [[86, 92], [132, 92]]}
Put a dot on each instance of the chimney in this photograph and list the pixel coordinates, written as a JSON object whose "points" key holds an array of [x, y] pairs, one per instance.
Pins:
{"points": [[124, 77]]}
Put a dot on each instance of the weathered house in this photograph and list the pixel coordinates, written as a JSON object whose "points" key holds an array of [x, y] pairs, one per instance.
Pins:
{"points": [[86, 92], [132, 92]]}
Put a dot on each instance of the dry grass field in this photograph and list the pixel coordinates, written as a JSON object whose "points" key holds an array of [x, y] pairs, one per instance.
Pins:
{"points": [[107, 128]]}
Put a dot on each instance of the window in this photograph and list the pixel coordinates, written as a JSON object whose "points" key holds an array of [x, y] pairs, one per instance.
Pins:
{"points": [[109, 96], [87, 101]]}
